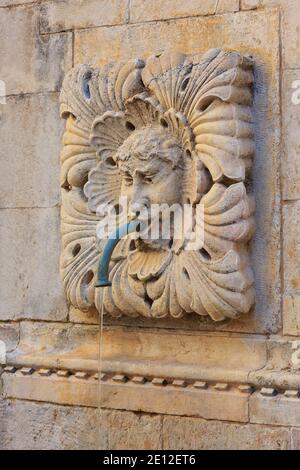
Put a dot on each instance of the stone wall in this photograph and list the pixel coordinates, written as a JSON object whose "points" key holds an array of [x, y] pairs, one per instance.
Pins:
{"points": [[40, 42]]}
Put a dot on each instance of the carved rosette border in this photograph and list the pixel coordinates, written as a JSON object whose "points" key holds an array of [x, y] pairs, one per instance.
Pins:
{"points": [[205, 102]]}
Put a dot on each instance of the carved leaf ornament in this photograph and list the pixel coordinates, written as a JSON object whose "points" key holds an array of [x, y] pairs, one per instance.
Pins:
{"points": [[190, 118]]}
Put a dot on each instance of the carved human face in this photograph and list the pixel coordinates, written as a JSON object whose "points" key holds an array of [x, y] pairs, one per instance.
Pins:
{"points": [[150, 166]]}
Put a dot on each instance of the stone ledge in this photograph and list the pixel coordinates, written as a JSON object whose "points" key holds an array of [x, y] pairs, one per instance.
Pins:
{"points": [[224, 401], [151, 394], [221, 401], [209, 356], [276, 408]]}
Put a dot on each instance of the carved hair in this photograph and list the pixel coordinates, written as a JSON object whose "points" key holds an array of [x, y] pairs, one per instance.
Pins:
{"points": [[149, 143]]}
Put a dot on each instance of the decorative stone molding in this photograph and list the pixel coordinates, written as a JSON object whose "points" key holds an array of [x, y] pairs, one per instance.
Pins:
{"points": [[229, 401], [187, 120]]}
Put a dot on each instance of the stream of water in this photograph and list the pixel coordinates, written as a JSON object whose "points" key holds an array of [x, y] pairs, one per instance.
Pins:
{"points": [[99, 397]]}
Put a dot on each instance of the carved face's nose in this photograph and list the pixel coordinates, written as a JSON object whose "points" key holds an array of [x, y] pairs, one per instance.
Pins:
{"points": [[139, 208], [140, 201]]}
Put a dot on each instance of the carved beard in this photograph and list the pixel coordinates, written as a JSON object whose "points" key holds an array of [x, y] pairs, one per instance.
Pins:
{"points": [[145, 241]]}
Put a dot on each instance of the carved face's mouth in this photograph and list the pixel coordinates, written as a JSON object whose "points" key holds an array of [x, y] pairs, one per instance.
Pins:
{"points": [[156, 231]]}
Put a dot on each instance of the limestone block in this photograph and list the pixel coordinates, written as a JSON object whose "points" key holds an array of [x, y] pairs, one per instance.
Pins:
{"points": [[128, 430], [248, 32], [244, 32], [46, 426], [227, 6], [195, 355], [29, 253], [291, 133], [53, 388], [278, 410], [279, 355], [30, 134], [290, 32], [9, 334], [117, 391], [291, 315], [30, 62], [74, 14], [32, 426], [250, 4], [208, 403], [90, 316], [291, 247], [295, 438], [145, 10], [10, 3], [289, 26], [57, 345], [194, 433]]}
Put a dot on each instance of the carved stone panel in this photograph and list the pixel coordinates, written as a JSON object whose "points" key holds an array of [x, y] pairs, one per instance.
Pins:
{"points": [[174, 129]]}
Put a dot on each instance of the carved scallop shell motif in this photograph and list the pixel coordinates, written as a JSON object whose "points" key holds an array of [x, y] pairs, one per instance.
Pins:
{"points": [[205, 102]]}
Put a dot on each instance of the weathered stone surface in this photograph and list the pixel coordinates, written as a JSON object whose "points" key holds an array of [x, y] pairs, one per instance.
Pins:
{"points": [[295, 438], [193, 433], [227, 6], [53, 388], [134, 431], [57, 345], [28, 425], [9, 334], [290, 32], [249, 32], [10, 3], [291, 247], [74, 14], [30, 135], [291, 134], [290, 27], [279, 354], [221, 402], [46, 426], [29, 252], [250, 4], [195, 355], [30, 62], [163, 9], [291, 315], [210, 403], [277, 410], [141, 149], [90, 316], [33, 63], [190, 35]]}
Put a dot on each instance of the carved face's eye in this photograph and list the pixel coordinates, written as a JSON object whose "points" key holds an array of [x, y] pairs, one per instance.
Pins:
{"points": [[148, 179]]}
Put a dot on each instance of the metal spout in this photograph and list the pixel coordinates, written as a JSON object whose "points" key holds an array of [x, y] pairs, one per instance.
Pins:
{"points": [[113, 240]]}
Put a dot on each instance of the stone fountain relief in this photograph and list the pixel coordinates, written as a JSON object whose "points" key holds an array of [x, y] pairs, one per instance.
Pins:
{"points": [[174, 129]]}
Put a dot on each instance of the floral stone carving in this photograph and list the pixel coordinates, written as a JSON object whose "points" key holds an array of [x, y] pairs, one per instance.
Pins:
{"points": [[173, 129]]}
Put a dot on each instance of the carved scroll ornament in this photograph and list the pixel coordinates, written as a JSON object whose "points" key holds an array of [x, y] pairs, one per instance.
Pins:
{"points": [[187, 121]]}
